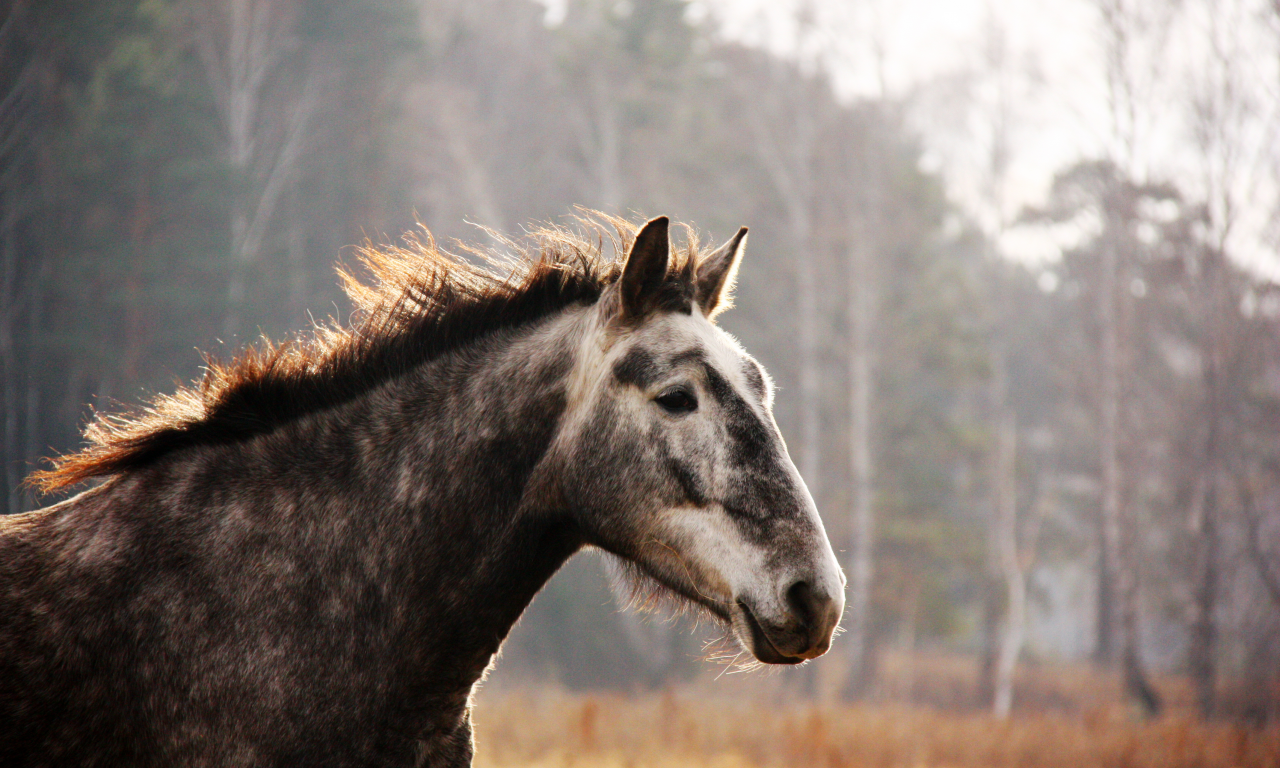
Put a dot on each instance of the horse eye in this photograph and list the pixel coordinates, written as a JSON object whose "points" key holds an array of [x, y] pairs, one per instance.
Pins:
{"points": [[677, 400]]}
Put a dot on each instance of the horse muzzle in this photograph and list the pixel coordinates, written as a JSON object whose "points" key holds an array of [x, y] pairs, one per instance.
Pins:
{"points": [[802, 630]]}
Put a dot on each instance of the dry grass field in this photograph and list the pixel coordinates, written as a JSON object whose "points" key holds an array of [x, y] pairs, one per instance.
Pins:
{"points": [[1071, 718]]}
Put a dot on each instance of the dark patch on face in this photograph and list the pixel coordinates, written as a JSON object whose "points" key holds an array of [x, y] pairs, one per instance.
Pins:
{"points": [[747, 434], [763, 495], [689, 482], [638, 367]]}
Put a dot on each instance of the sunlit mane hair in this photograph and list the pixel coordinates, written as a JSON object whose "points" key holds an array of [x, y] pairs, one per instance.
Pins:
{"points": [[420, 302]]}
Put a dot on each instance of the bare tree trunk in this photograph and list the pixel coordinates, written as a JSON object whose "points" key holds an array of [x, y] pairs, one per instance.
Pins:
{"points": [[475, 178], [1125, 25], [600, 140], [1002, 494], [608, 143], [907, 645], [785, 139], [990, 651], [1104, 598], [1118, 586], [1136, 685], [9, 451], [21, 106], [1128, 553], [862, 521], [1108, 456], [452, 114], [1012, 555], [1200, 653], [1269, 576], [1222, 100], [241, 43], [1003, 585], [11, 303], [255, 210], [1006, 511], [810, 379], [35, 351], [297, 254]]}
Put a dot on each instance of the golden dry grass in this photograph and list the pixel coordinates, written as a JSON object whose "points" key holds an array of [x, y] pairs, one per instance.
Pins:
{"points": [[674, 730], [1079, 722]]}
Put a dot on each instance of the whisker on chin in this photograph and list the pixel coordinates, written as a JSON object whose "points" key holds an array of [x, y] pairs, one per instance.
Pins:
{"points": [[728, 651], [729, 666]]}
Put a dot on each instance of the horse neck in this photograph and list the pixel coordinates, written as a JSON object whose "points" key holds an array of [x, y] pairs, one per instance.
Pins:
{"points": [[463, 448], [471, 462], [411, 507]]}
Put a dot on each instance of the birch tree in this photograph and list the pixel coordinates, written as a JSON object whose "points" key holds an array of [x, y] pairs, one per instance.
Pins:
{"points": [[22, 102], [861, 301], [786, 134], [861, 304], [1133, 33], [1233, 130], [998, 97], [790, 134], [244, 45]]}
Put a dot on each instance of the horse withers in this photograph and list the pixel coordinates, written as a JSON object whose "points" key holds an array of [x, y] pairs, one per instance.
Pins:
{"points": [[312, 556]]}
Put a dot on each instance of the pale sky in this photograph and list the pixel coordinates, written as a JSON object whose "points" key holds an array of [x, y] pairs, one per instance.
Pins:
{"points": [[1056, 90]]}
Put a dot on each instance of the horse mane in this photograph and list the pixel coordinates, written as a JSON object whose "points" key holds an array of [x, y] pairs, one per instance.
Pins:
{"points": [[421, 302]]}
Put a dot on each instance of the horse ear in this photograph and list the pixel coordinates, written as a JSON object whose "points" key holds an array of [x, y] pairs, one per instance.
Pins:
{"points": [[646, 269], [717, 272]]}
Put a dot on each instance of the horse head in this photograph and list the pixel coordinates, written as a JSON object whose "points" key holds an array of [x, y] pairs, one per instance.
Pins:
{"points": [[670, 459]]}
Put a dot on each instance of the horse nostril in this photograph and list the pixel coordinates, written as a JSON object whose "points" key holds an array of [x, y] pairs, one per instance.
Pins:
{"points": [[804, 603]]}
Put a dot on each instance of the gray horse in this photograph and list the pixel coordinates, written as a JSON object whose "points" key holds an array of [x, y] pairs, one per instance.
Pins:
{"points": [[313, 555]]}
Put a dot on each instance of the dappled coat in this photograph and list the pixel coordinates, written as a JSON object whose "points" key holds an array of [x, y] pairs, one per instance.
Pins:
{"points": [[312, 556]]}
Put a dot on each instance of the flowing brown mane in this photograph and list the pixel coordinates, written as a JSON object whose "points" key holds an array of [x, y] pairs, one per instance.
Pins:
{"points": [[422, 302]]}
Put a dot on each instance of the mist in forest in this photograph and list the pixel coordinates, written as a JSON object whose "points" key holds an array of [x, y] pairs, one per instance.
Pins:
{"points": [[1018, 295]]}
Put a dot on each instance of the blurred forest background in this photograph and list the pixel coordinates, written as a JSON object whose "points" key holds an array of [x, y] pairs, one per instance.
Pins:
{"points": [[1023, 462]]}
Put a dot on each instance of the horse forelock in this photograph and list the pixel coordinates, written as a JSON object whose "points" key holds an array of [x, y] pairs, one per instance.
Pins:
{"points": [[417, 301]]}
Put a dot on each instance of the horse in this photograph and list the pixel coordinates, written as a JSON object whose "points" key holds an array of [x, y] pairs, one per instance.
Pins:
{"points": [[313, 555]]}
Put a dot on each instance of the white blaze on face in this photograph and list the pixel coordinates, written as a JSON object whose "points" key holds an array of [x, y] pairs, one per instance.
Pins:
{"points": [[720, 563]]}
